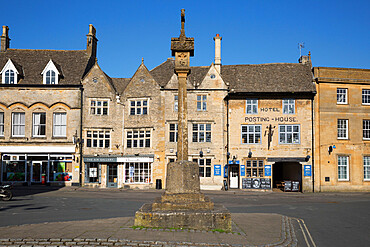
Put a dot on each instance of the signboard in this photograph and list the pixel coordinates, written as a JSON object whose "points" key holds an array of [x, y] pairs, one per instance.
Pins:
{"points": [[242, 170], [93, 172], [135, 159], [100, 159], [307, 170], [225, 170], [291, 186], [268, 170], [256, 183], [217, 170]]}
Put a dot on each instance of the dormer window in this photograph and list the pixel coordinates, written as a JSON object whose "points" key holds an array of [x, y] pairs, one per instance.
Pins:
{"points": [[50, 74], [9, 73]]}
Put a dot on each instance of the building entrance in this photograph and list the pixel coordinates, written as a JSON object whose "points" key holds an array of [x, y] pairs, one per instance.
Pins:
{"points": [[284, 172], [112, 176], [234, 176]]}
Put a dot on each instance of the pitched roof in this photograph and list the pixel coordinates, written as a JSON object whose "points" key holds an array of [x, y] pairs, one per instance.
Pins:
{"points": [[120, 84], [72, 65], [283, 77], [163, 73]]}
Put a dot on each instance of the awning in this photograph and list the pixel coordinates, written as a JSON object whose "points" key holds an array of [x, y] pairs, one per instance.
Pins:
{"points": [[38, 149]]}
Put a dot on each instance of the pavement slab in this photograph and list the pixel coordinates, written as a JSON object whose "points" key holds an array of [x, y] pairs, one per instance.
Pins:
{"points": [[254, 229]]}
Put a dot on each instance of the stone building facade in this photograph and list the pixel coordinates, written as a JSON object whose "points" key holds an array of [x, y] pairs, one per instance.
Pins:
{"points": [[40, 109], [342, 129]]}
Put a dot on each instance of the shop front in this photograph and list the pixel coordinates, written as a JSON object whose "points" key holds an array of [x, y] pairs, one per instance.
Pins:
{"points": [[118, 171], [39, 168]]}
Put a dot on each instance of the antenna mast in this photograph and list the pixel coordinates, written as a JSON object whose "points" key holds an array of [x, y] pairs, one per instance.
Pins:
{"points": [[300, 47]]}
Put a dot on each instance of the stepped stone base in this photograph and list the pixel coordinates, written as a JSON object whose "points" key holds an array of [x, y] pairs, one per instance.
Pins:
{"points": [[217, 218]]}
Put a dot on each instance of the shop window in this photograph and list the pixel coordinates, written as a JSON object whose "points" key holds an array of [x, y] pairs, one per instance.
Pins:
{"points": [[1, 123], [60, 124], [60, 170], [254, 168], [14, 168], [342, 128], [343, 168], [92, 172], [251, 134], [288, 106], [39, 124], [204, 167], [289, 134], [367, 168], [366, 96], [365, 129], [176, 103], [341, 95], [98, 138], [202, 133], [99, 107], [201, 102], [140, 172], [251, 106], [173, 132], [139, 107], [18, 124], [138, 139]]}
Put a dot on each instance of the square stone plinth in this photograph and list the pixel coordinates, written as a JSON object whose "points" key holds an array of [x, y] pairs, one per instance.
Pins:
{"points": [[218, 218]]}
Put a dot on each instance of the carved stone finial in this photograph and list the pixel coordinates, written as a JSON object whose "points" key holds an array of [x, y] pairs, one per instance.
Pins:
{"points": [[182, 34], [142, 60]]}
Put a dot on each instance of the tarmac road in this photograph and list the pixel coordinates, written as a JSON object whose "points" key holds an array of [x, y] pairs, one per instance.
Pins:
{"points": [[333, 219]]}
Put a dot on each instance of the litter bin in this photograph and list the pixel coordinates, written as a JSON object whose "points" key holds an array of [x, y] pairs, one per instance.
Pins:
{"points": [[158, 184]]}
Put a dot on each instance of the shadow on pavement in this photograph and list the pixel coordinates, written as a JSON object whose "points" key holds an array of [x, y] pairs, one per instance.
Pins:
{"points": [[24, 190]]}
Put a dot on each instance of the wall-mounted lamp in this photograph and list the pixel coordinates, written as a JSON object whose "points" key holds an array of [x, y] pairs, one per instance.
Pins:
{"points": [[250, 154], [330, 149], [234, 159], [307, 158], [201, 153]]}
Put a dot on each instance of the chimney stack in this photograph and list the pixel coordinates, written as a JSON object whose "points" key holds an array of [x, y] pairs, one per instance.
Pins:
{"points": [[305, 59], [5, 39], [217, 40], [92, 41]]}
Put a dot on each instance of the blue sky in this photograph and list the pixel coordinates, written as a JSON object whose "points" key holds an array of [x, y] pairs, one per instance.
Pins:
{"points": [[253, 31]]}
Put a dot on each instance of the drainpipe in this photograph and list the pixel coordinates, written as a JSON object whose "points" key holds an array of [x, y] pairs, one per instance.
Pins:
{"points": [[227, 138], [313, 144], [81, 125]]}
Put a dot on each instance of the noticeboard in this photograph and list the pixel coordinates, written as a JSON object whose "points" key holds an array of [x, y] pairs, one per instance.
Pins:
{"points": [[291, 186], [307, 170], [217, 170], [242, 170], [256, 183], [267, 170]]}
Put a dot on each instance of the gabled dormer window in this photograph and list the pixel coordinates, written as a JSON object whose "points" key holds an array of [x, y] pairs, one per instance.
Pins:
{"points": [[9, 73], [50, 73]]}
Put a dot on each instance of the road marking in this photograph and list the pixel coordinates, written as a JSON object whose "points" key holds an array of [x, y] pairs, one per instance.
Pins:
{"points": [[305, 229]]}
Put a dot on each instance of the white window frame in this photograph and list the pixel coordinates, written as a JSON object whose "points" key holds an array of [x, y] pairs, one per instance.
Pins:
{"points": [[342, 96], [175, 103], [366, 129], [201, 102], [9, 66], [139, 106], [61, 125], [202, 132], [342, 129], [366, 163], [173, 132], [254, 168], [205, 167], [288, 106], [98, 138], [2, 123], [366, 96], [97, 107], [36, 126], [287, 133], [19, 123], [251, 130], [139, 138], [139, 174], [343, 162], [251, 106], [50, 67]]}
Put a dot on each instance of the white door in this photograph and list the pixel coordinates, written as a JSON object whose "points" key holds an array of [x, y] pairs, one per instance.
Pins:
{"points": [[234, 177]]}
